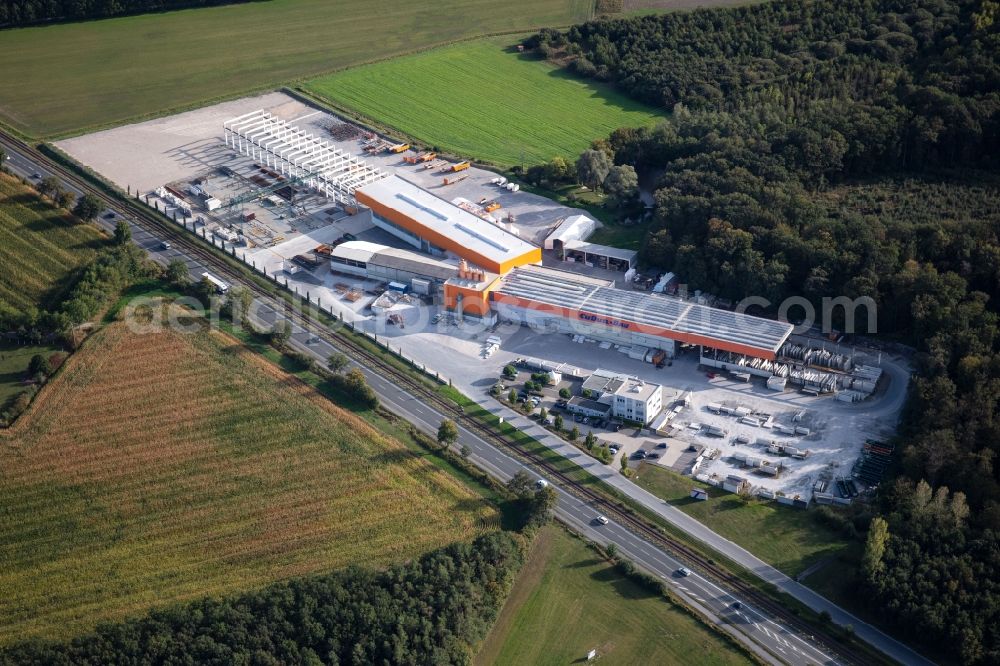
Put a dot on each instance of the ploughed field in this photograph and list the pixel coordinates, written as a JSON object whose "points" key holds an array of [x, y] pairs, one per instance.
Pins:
{"points": [[483, 99], [162, 466]]}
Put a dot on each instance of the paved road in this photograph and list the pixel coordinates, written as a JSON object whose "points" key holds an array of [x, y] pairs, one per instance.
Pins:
{"points": [[692, 527], [748, 624]]}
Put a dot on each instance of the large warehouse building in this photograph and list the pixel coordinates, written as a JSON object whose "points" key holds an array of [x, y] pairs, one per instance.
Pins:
{"points": [[492, 272], [436, 226], [569, 303]]}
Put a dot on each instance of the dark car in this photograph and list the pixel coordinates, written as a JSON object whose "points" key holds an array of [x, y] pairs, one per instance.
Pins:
{"points": [[661, 445], [652, 455]]}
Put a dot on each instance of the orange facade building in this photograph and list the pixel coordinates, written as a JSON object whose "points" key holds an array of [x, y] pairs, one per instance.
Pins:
{"points": [[436, 226]]}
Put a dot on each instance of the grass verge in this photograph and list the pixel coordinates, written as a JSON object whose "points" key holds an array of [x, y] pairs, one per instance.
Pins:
{"points": [[788, 539], [569, 600]]}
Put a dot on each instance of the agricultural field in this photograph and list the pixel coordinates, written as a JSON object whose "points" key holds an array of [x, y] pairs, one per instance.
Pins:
{"points": [[484, 100], [567, 600], [788, 539], [62, 79], [40, 246], [160, 466]]}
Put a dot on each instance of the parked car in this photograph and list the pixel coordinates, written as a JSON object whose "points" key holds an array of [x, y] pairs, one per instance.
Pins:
{"points": [[661, 445], [613, 449], [652, 455]]}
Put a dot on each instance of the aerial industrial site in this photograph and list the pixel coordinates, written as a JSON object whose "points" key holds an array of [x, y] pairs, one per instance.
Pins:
{"points": [[465, 273]]}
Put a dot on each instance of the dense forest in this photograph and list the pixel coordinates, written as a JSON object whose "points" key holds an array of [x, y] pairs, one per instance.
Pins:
{"points": [[847, 147], [27, 12], [434, 610]]}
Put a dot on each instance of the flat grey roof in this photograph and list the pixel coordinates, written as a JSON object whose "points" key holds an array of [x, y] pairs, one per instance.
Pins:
{"points": [[680, 320], [412, 262], [587, 403], [395, 258], [602, 250]]}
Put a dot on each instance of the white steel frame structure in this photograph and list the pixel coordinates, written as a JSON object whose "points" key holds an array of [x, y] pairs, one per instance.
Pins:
{"points": [[292, 152]]}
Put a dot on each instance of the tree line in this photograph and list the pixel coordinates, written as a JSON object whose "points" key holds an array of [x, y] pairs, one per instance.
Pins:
{"points": [[847, 147], [15, 13], [433, 610]]}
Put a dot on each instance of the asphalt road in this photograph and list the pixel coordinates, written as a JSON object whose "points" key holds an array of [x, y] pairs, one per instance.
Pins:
{"points": [[752, 626]]}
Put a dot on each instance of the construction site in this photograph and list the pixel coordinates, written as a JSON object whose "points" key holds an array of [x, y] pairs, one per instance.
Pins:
{"points": [[466, 273]]}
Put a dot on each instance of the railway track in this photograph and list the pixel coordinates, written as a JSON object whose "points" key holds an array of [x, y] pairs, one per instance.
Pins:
{"points": [[193, 246]]}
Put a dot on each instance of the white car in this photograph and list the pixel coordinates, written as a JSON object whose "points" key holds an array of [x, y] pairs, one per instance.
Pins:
{"points": [[541, 484], [684, 572], [602, 520]]}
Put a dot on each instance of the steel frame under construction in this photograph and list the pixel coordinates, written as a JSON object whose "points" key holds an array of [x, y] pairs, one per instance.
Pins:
{"points": [[293, 152]]}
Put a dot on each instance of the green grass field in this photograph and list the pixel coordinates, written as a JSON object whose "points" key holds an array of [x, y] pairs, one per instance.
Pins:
{"points": [[161, 467], [784, 537], [567, 601], [14, 360], [40, 246], [64, 78], [480, 99]]}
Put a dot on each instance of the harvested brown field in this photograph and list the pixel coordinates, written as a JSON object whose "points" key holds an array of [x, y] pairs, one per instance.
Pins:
{"points": [[160, 467]]}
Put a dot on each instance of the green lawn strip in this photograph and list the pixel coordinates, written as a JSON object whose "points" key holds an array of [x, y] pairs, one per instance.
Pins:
{"points": [[581, 602], [787, 538], [629, 237], [483, 99], [14, 360], [63, 78]]}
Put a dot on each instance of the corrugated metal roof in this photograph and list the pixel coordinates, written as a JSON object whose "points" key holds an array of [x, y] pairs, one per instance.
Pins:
{"points": [[567, 290]]}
